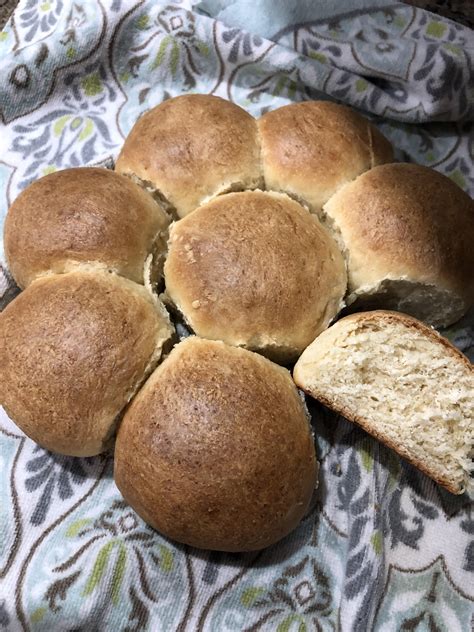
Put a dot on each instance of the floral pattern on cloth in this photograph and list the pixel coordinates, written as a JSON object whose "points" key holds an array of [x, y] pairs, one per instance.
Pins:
{"points": [[382, 547]]}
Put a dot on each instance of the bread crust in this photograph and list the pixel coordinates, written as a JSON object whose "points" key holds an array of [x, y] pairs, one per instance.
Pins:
{"points": [[223, 435], [255, 269], [381, 318], [409, 223], [79, 216], [192, 148], [74, 348], [310, 149]]}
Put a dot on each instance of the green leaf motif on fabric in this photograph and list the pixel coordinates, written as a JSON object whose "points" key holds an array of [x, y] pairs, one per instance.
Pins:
{"points": [[46, 6], [142, 21], [430, 156], [456, 50], [174, 58], [392, 463], [291, 89], [38, 614], [285, 625], [399, 21], [167, 558], [160, 55], [250, 596], [367, 458], [99, 567], [119, 571], [318, 57], [92, 85], [125, 76], [3, 36], [71, 52], [279, 86], [87, 131], [76, 527], [436, 29], [60, 124], [376, 541], [361, 85], [203, 48], [458, 178], [49, 169]]}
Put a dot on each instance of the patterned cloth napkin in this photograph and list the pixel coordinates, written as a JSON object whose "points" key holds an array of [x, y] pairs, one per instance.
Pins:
{"points": [[382, 548]]}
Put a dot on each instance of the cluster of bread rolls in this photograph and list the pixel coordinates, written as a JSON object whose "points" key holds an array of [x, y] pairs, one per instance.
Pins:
{"points": [[255, 234]]}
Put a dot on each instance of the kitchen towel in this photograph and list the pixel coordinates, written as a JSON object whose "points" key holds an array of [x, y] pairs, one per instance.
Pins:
{"points": [[383, 547]]}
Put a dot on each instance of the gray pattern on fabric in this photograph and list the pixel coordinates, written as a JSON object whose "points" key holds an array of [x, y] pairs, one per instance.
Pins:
{"points": [[382, 547]]}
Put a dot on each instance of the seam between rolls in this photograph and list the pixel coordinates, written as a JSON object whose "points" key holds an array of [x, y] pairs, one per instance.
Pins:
{"points": [[155, 260], [154, 361], [256, 182], [157, 194]]}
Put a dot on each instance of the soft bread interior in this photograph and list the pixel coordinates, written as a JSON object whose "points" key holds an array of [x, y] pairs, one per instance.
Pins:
{"points": [[402, 386]]}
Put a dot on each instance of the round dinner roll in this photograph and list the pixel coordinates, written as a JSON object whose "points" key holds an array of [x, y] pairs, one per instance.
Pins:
{"points": [[312, 148], [216, 449], [192, 148], [256, 270], [83, 216], [74, 348], [408, 233]]}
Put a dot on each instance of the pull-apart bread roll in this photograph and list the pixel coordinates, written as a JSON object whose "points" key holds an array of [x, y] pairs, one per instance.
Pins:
{"points": [[403, 383], [216, 450], [83, 216], [310, 149], [74, 348], [408, 235], [255, 270], [192, 148]]}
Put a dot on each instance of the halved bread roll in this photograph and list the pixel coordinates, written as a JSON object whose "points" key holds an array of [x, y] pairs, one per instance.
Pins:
{"points": [[85, 217], [74, 349], [401, 382], [216, 449]]}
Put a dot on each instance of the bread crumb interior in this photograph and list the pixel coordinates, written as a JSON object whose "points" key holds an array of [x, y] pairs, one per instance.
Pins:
{"points": [[409, 390]]}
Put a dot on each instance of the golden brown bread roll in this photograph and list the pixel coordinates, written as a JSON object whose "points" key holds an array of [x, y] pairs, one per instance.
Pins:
{"points": [[255, 270], [408, 233], [74, 348], [84, 215], [403, 383], [312, 148], [192, 148], [216, 450]]}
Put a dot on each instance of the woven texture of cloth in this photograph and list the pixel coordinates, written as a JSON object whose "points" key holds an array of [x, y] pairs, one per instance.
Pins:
{"points": [[383, 547]]}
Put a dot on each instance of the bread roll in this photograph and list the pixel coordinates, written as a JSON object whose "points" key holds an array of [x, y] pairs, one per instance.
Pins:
{"points": [[311, 149], [192, 148], [216, 451], [408, 233], [85, 215], [74, 349], [255, 270], [402, 383]]}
